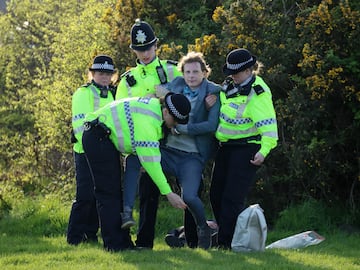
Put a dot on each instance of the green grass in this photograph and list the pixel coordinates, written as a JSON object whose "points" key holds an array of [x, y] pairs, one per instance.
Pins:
{"points": [[32, 237]]}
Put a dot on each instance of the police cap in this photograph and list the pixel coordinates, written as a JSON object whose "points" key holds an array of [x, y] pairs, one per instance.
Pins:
{"points": [[103, 63], [238, 60]]}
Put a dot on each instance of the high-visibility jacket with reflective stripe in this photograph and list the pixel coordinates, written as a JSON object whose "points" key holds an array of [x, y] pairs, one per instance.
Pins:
{"points": [[246, 116], [85, 99], [144, 78], [135, 125]]}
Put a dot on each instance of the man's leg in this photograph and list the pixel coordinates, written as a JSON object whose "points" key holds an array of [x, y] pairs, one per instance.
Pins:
{"points": [[190, 224], [131, 177]]}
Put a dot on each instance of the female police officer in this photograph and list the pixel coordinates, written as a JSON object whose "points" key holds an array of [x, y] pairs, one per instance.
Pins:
{"points": [[247, 132], [83, 222]]}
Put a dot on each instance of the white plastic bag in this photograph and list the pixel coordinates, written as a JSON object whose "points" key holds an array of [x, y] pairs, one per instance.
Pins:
{"points": [[300, 240], [250, 230]]}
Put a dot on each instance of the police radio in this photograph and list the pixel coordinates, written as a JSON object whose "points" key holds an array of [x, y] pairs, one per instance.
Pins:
{"points": [[104, 92], [130, 80], [161, 73], [229, 88]]}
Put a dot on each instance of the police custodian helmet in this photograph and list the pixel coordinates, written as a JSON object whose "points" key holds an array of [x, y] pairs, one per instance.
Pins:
{"points": [[142, 36]]}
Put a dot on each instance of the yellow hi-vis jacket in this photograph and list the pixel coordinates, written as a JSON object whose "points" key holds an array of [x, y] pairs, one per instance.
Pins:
{"points": [[135, 125], [245, 116], [141, 80], [85, 99]]}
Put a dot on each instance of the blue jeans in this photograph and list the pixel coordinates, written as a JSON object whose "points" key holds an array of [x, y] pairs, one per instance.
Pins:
{"points": [[186, 167]]}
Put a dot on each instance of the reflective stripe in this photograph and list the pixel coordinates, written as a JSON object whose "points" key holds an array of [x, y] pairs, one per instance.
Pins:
{"points": [[149, 158], [96, 97], [119, 131], [170, 71], [242, 106], [128, 88], [271, 134], [146, 112], [78, 129], [227, 131]]}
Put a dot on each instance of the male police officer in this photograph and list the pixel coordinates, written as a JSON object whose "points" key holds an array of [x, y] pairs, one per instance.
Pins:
{"points": [[150, 71], [140, 81], [130, 126]]}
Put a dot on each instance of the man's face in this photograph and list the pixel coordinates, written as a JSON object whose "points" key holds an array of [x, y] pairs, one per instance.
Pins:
{"points": [[146, 57], [193, 74]]}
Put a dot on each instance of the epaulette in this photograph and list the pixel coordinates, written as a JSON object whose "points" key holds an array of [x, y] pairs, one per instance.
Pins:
{"points": [[86, 84], [125, 73], [258, 89], [171, 62]]}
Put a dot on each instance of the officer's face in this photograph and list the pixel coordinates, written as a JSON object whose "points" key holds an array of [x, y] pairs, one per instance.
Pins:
{"points": [[146, 57], [102, 78], [241, 76], [193, 74], [168, 118]]}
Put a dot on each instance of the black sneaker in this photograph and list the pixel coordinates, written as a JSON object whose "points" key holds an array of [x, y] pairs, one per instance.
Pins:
{"points": [[127, 220], [204, 237], [174, 241]]}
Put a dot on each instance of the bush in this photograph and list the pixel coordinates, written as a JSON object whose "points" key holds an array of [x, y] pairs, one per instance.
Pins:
{"points": [[313, 215], [42, 216]]}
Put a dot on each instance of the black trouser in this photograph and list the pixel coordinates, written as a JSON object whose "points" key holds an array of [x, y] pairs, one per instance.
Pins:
{"points": [[232, 178], [149, 200], [104, 160], [83, 222]]}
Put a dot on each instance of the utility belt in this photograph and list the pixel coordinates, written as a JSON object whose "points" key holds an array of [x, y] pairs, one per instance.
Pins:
{"points": [[241, 141], [96, 124]]}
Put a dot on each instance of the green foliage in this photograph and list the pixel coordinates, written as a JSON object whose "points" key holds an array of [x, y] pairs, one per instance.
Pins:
{"points": [[311, 63], [312, 215], [42, 216]]}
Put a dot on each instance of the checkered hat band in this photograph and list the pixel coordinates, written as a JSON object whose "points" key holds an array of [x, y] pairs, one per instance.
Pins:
{"points": [[239, 65], [173, 109], [104, 66]]}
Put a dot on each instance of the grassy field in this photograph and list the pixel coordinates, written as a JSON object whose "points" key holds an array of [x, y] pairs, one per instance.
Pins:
{"points": [[32, 237]]}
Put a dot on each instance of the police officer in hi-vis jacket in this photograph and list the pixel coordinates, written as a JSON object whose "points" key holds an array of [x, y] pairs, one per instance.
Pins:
{"points": [[128, 126], [83, 222], [141, 81], [247, 132]]}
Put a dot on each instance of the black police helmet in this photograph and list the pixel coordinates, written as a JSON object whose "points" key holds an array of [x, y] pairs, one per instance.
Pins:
{"points": [[142, 36]]}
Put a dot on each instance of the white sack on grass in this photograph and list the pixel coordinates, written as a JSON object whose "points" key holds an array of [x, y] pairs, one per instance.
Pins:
{"points": [[300, 240]]}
